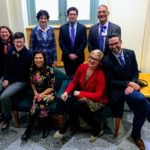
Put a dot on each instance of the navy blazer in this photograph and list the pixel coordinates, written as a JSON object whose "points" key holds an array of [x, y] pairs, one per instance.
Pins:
{"points": [[117, 77], [80, 41], [93, 37]]}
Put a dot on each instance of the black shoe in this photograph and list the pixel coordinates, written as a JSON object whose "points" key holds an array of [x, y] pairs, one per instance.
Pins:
{"points": [[25, 137], [45, 133]]}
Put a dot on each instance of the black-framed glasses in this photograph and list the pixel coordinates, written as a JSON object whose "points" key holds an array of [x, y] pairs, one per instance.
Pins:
{"points": [[94, 59], [102, 12]]}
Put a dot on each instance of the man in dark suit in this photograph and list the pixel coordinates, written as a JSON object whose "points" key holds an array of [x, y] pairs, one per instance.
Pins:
{"points": [[72, 41], [121, 71], [98, 34]]}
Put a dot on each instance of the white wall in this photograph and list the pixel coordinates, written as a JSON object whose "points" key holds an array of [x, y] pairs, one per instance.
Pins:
{"points": [[145, 57], [131, 16], [4, 20], [13, 13]]}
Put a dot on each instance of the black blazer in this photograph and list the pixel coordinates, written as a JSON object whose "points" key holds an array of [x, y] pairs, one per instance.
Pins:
{"points": [[117, 77], [93, 37], [80, 41]]}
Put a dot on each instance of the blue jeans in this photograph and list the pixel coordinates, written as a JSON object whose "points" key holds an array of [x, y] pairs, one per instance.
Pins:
{"points": [[6, 96], [141, 109]]}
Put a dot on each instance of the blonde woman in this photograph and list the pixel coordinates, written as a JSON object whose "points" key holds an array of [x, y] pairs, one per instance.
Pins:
{"points": [[91, 96]]}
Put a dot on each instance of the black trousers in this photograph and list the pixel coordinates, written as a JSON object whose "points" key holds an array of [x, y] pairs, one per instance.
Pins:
{"points": [[71, 66], [81, 109]]}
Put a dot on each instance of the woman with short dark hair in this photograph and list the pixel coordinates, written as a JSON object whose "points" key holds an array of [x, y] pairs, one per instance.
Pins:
{"points": [[42, 37]]}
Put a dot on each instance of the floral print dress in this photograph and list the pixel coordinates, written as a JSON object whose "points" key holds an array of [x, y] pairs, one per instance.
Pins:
{"points": [[42, 79]]}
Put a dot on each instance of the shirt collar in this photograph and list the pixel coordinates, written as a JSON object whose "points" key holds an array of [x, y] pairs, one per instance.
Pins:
{"points": [[106, 25], [120, 54], [39, 28], [75, 24]]}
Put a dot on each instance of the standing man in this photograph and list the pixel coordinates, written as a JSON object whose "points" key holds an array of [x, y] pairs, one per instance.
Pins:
{"points": [[98, 34], [72, 41], [121, 70]]}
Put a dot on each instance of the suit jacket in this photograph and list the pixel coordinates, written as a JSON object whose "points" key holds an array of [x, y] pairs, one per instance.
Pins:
{"points": [[93, 38], [94, 88], [37, 42], [80, 41], [118, 77]]}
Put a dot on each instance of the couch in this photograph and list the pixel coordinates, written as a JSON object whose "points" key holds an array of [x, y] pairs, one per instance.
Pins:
{"points": [[23, 101]]}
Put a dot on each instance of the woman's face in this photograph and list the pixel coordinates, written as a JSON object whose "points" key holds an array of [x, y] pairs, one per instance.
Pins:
{"points": [[94, 61], [39, 60], [4, 34], [43, 21]]}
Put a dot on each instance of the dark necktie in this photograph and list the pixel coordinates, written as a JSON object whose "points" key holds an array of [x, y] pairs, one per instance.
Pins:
{"points": [[122, 63], [101, 38], [72, 35]]}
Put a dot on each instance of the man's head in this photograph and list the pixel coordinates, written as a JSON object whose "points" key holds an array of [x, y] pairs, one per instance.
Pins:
{"points": [[43, 17], [102, 14], [115, 42], [72, 14], [19, 41]]}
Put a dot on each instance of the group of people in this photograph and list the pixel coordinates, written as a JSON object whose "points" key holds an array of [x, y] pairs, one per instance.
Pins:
{"points": [[110, 76]]}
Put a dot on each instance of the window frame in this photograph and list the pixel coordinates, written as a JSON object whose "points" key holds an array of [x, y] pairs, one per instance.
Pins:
{"points": [[62, 7]]}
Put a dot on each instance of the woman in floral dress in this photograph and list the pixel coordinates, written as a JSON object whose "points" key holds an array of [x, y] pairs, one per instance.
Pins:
{"points": [[42, 83]]}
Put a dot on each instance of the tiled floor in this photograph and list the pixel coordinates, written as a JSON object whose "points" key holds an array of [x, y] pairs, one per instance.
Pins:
{"points": [[10, 140]]}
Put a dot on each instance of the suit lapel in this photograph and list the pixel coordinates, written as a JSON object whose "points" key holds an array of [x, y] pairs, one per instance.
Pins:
{"points": [[77, 31], [116, 65], [127, 60], [67, 32], [109, 28], [97, 33], [40, 35]]}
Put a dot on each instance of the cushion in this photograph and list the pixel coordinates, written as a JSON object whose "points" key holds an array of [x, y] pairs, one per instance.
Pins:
{"points": [[59, 77]]}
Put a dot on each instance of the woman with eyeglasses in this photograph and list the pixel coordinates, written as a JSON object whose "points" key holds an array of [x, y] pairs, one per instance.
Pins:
{"points": [[90, 97]]}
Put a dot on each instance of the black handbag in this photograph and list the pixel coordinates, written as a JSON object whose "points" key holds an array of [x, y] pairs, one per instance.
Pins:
{"points": [[142, 83]]}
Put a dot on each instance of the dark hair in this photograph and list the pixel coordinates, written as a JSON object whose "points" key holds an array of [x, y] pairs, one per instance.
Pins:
{"points": [[72, 9], [42, 13], [18, 35], [10, 32], [44, 56], [114, 35]]}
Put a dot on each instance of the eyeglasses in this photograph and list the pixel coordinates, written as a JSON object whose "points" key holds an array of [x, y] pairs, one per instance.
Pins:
{"points": [[114, 44], [102, 12], [94, 59]]}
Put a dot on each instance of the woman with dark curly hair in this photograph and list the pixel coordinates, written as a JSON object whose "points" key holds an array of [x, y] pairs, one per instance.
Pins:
{"points": [[6, 41], [42, 83]]}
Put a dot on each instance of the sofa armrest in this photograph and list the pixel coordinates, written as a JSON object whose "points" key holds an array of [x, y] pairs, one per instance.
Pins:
{"points": [[63, 86]]}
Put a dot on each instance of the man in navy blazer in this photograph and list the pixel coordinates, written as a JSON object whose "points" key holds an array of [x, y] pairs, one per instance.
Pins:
{"points": [[121, 71], [72, 44], [109, 28]]}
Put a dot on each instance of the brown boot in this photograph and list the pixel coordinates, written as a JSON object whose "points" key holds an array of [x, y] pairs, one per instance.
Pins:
{"points": [[60, 121]]}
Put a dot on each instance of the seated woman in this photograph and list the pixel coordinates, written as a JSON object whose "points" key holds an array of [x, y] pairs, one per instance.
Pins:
{"points": [[6, 41], [91, 96], [42, 83]]}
